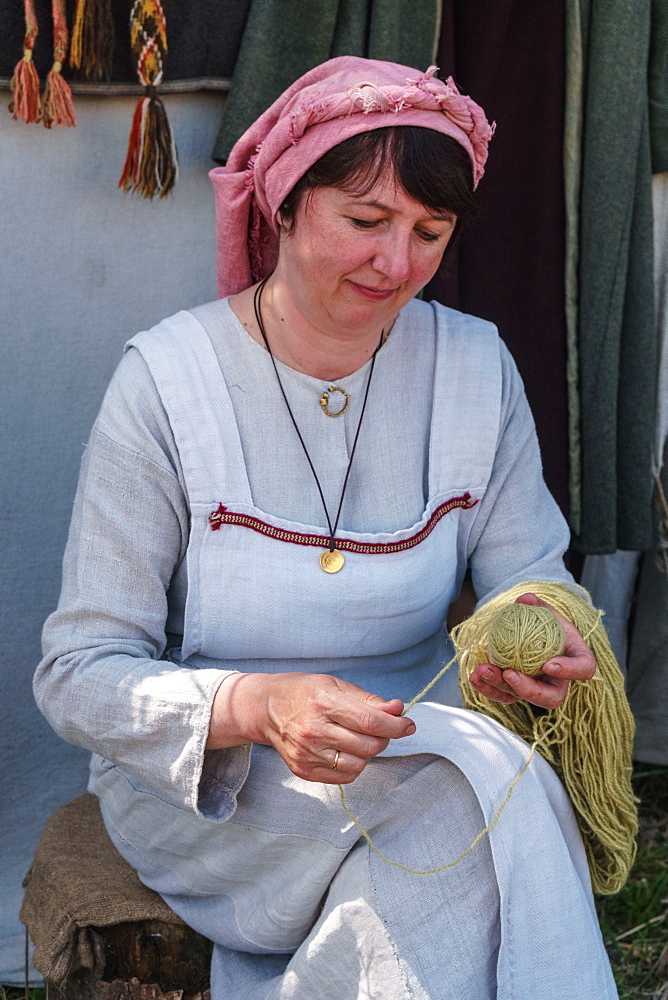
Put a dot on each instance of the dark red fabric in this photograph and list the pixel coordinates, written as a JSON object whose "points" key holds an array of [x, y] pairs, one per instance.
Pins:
{"points": [[509, 266]]}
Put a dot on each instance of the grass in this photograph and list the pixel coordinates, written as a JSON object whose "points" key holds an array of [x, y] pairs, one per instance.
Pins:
{"points": [[18, 993], [635, 921]]}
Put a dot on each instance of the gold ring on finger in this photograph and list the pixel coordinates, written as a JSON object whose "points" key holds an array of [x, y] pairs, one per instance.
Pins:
{"points": [[336, 760]]}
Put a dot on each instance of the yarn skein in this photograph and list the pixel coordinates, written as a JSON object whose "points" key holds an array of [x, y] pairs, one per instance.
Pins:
{"points": [[588, 740]]}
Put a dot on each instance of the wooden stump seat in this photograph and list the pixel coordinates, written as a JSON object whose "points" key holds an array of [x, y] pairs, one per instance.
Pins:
{"points": [[99, 933]]}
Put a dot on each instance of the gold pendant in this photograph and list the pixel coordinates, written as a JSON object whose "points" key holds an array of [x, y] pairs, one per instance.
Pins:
{"points": [[332, 561], [324, 401]]}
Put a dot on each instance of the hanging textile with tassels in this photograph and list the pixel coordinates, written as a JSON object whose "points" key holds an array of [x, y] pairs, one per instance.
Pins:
{"points": [[151, 164], [56, 107]]}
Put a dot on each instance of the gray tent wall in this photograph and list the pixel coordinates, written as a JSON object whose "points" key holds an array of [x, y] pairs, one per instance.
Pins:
{"points": [[84, 267]]}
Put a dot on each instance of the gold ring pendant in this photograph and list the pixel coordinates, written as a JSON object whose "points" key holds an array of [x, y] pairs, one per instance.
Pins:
{"points": [[324, 401]]}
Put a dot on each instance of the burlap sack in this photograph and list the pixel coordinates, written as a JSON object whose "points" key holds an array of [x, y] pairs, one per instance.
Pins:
{"points": [[79, 881]]}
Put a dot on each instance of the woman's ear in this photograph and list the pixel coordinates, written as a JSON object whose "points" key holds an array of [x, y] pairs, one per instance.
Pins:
{"points": [[285, 224]]}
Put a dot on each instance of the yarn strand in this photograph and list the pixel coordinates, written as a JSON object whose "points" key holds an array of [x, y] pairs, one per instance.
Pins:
{"points": [[474, 843], [588, 740]]}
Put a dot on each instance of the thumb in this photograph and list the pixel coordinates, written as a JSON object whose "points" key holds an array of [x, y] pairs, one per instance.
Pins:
{"points": [[394, 706], [533, 599]]}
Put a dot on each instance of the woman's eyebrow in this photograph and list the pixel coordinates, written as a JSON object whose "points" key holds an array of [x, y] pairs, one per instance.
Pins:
{"points": [[368, 203]]}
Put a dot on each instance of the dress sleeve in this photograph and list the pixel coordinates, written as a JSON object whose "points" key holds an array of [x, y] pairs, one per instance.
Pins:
{"points": [[102, 683], [519, 532]]}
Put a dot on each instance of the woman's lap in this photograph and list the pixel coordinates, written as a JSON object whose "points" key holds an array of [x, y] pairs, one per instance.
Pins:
{"points": [[298, 905], [372, 931]]}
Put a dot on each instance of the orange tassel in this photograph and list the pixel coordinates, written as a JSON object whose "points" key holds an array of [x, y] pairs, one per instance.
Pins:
{"points": [[25, 81]]}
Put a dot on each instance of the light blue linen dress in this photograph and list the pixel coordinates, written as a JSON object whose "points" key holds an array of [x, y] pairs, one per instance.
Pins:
{"points": [[194, 552]]}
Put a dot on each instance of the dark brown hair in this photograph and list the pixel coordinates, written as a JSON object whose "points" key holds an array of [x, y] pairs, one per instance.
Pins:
{"points": [[433, 168]]}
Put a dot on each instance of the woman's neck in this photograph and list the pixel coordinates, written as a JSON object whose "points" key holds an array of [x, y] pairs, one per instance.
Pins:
{"points": [[327, 354]]}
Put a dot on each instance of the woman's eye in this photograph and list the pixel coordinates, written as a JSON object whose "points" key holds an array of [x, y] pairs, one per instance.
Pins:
{"points": [[364, 223], [428, 237]]}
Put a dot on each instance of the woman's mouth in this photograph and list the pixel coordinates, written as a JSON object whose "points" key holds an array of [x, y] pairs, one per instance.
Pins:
{"points": [[375, 294]]}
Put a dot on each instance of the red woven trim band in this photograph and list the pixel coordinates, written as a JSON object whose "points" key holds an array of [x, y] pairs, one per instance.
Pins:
{"points": [[224, 516]]}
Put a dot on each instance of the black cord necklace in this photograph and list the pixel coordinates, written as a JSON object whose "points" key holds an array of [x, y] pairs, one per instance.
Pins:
{"points": [[332, 559]]}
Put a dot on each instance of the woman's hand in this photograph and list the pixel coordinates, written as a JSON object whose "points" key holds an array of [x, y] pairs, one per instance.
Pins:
{"points": [[307, 718], [548, 689]]}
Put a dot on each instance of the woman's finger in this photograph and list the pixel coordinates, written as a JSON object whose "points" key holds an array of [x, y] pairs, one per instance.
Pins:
{"points": [[368, 714], [348, 767], [571, 668], [494, 692], [488, 674], [345, 741], [545, 693]]}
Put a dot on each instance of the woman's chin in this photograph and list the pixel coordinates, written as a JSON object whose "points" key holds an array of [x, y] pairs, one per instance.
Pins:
{"points": [[365, 315], [365, 322]]}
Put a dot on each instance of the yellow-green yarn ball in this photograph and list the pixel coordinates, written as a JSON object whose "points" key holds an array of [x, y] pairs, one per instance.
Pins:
{"points": [[522, 637]]}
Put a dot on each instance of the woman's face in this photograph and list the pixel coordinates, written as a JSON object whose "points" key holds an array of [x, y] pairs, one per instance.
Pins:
{"points": [[352, 261]]}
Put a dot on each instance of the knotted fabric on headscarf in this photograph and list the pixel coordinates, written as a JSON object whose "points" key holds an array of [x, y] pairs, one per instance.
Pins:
{"points": [[330, 103]]}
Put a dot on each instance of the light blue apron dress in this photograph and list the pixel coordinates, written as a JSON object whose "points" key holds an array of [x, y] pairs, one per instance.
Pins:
{"points": [[285, 887]]}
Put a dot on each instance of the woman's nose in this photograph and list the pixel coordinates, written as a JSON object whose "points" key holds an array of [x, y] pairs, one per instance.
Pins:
{"points": [[392, 257]]}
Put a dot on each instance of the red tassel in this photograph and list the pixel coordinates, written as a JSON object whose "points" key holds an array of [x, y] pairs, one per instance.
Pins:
{"points": [[57, 107], [25, 81], [25, 87], [133, 157]]}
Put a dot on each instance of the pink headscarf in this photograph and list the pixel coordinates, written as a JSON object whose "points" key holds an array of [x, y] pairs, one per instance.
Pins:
{"points": [[331, 102]]}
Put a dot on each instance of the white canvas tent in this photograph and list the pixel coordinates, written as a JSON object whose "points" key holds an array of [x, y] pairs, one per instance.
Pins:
{"points": [[83, 268]]}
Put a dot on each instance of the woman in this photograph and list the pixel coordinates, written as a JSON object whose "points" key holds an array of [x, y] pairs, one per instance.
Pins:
{"points": [[279, 501]]}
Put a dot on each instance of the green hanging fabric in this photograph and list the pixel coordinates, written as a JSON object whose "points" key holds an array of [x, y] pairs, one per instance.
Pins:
{"points": [[617, 338], [572, 179], [285, 38], [658, 87]]}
